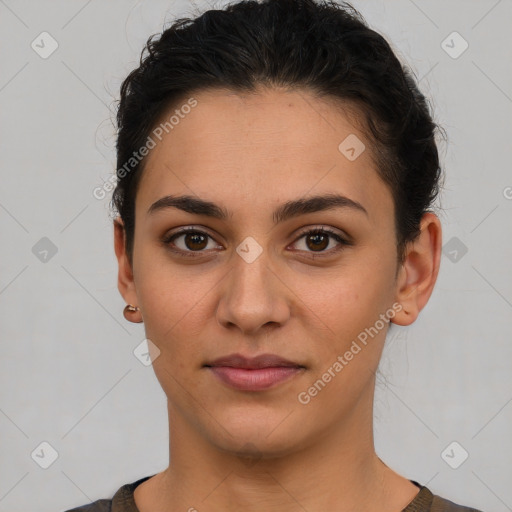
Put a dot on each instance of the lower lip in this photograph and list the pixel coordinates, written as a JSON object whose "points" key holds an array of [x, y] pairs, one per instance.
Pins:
{"points": [[254, 380]]}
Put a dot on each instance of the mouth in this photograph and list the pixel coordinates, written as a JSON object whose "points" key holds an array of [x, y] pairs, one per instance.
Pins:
{"points": [[254, 374]]}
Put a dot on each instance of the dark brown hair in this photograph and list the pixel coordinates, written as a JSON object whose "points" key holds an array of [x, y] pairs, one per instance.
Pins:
{"points": [[319, 46]]}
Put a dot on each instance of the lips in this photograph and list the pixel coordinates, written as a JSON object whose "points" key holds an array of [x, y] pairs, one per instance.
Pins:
{"points": [[261, 361], [253, 374]]}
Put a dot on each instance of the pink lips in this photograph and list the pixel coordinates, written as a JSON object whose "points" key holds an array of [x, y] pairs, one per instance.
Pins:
{"points": [[253, 374]]}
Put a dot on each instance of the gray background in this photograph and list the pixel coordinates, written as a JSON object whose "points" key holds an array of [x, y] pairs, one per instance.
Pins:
{"points": [[68, 373]]}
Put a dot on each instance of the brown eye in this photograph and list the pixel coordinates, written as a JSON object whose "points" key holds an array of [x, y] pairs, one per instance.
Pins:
{"points": [[195, 241], [317, 241], [188, 240]]}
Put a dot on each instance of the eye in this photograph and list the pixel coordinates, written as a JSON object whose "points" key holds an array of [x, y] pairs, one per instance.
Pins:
{"points": [[196, 241], [319, 239], [192, 241]]}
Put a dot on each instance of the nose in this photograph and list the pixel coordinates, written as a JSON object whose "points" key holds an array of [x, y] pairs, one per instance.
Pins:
{"points": [[253, 297]]}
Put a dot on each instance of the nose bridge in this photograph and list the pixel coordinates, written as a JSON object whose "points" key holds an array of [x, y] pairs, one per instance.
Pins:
{"points": [[251, 270], [252, 296]]}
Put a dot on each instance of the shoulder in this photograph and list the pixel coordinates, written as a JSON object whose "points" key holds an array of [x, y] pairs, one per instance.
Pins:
{"points": [[96, 506], [122, 500], [440, 504], [426, 501]]}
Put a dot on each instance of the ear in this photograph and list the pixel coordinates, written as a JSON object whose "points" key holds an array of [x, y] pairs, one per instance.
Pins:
{"points": [[125, 281], [418, 273]]}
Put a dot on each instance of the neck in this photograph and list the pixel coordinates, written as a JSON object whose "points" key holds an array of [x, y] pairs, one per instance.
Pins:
{"points": [[337, 470]]}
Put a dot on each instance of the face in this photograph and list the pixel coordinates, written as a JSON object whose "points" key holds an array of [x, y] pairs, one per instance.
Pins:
{"points": [[257, 281]]}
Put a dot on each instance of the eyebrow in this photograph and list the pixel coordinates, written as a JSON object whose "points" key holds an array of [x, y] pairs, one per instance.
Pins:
{"points": [[286, 211]]}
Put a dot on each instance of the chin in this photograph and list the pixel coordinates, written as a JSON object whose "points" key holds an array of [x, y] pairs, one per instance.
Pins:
{"points": [[257, 435]]}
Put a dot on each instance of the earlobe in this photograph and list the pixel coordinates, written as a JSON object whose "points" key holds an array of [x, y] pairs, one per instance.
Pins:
{"points": [[418, 273], [125, 281]]}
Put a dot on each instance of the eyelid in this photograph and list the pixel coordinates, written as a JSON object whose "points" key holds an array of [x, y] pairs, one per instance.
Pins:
{"points": [[327, 229], [343, 241], [168, 238]]}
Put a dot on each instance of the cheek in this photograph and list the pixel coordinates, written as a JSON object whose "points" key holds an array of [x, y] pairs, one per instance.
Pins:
{"points": [[342, 309], [350, 298], [176, 305], [348, 336], [174, 319]]}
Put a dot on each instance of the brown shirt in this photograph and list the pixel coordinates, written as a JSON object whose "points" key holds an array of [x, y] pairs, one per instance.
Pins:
{"points": [[123, 501]]}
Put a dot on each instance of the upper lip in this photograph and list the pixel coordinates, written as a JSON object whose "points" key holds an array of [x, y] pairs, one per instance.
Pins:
{"points": [[260, 361]]}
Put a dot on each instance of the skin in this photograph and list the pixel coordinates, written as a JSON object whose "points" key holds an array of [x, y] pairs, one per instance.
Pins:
{"points": [[249, 154]]}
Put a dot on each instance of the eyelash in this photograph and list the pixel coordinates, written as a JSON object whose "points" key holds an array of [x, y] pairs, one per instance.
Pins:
{"points": [[316, 231]]}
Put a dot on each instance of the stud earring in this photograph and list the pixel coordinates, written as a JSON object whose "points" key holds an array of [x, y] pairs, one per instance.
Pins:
{"points": [[128, 313]]}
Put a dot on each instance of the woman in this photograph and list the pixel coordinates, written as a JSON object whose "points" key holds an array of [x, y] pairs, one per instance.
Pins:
{"points": [[277, 167]]}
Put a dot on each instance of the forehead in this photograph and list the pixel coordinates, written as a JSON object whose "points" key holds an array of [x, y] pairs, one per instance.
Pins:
{"points": [[252, 150]]}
